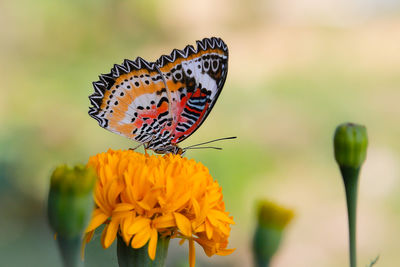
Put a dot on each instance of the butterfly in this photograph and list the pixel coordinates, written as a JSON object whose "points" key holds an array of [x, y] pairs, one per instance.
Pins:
{"points": [[159, 104]]}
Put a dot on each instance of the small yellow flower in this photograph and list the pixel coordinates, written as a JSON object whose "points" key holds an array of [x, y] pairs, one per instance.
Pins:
{"points": [[273, 215], [272, 220], [141, 196]]}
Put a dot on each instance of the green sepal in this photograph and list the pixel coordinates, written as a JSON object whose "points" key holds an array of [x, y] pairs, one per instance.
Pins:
{"points": [[130, 257]]}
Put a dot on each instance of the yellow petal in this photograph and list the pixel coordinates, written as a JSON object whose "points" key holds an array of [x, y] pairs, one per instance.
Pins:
{"points": [[169, 184], [141, 238], [196, 207], [151, 197], [209, 229], [153, 243], [124, 225], [99, 199], [88, 236], [183, 224], [200, 228], [126, 222], [103, 235], [181, 201], [123, 210], [224, 228], [138, 225], [225, 252], [111, 233], [121, 207], [165, 221], [98, 218], [122, 166], [86, 239], [113, 191], [220, 216], [140, 182], [212, 220], [144, 205]]}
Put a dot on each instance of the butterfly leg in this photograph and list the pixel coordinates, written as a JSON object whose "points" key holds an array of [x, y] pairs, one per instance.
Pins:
{"points": [[146, 146], [136, 147]]}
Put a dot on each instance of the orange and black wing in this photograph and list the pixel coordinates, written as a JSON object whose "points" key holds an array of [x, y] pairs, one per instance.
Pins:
{"points": [[131, 101], [194, 79], [161, 103]]}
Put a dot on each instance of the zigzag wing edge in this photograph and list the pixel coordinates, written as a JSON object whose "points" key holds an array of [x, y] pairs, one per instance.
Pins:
{"points": [[106, 81]]}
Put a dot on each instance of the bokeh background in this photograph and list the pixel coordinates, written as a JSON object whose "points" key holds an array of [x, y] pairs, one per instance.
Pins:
{"points": [[297, 69]]}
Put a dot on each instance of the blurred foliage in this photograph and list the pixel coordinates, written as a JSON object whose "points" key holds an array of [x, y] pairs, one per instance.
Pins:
{"points": [[296, 71]]}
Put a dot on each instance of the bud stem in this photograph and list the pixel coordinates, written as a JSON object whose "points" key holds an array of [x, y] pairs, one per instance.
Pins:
{"points": [[265, 244], [70, 249], [350, 179], [130, 257]]}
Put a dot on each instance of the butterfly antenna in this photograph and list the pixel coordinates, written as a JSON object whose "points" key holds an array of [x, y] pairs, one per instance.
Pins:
{"points": [[212, 147], [219, 139]]}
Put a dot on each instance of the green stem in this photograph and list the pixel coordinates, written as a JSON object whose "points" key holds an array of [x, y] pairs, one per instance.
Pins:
{"points": [[350, 179], [266, 243], [130, 257], [70, 249], [262, 263]]}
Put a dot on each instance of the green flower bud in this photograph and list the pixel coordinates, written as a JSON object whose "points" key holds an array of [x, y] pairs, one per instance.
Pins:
{"points": [[70, 206], [272, 220], [70, 201], [350, 145]]}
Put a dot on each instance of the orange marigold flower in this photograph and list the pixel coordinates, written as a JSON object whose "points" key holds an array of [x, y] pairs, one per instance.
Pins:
{"points": [[141, 196]]}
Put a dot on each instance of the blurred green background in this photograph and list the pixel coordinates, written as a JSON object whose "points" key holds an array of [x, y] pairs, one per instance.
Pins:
{"points": [[297, 69]]}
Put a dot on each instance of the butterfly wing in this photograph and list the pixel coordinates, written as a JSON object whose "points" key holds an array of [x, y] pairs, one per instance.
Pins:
{"points": [[194, 79], [162, 103], [131, 101]]}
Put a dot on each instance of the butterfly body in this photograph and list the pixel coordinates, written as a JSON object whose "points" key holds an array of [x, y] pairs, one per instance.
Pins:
{"points": [[159, 104]]}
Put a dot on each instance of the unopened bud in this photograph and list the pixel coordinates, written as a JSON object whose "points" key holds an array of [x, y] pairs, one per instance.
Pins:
{"points": [[70, 200], [272, 219], [350, 145]]}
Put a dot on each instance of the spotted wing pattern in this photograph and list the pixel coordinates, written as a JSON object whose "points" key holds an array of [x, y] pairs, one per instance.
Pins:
{"points": [[162, 103], [131, 101]]}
